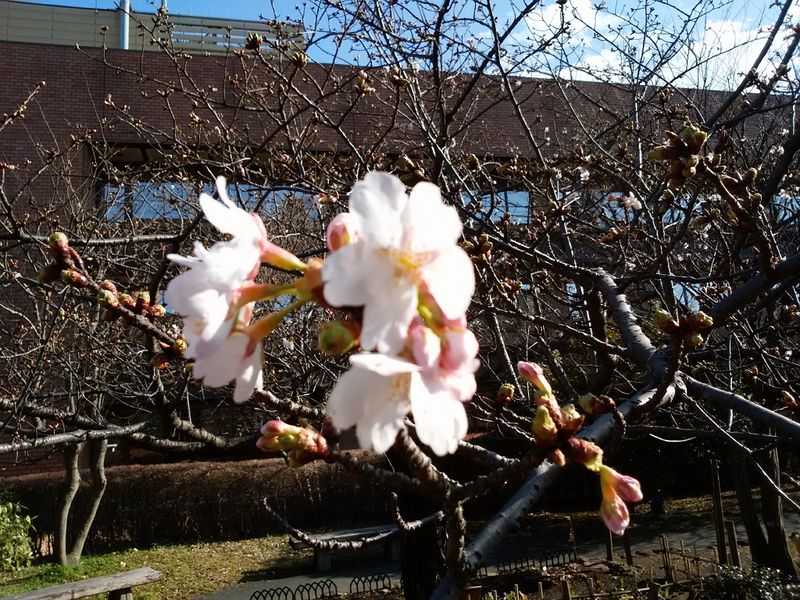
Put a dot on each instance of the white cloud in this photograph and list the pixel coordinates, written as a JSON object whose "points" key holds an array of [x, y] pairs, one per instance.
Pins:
{"points": [[707, 49]]}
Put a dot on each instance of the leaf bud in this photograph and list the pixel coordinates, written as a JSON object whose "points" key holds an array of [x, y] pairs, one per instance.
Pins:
{"points": [[107, 299], [700, 320], [337, 337], [665, 322], [544, 429], [505, 394], [585, 452], [73, 278]]}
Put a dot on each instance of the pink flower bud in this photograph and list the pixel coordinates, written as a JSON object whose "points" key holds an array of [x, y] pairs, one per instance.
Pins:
{"points": [[545, 431], [534, 374], [283, 259], [615, 514], [626, 487], [277, 435], [342, 231]]}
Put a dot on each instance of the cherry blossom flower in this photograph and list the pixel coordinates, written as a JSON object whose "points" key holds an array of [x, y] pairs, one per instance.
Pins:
{"points": [[204, 293], [406, 243], [207, 295], [237, 359], [378, 392]]}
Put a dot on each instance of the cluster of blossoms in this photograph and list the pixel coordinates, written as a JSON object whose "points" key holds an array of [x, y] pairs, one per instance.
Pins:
{"points": [[394, 266], [396, 255], [554, 428], [216, 295]]}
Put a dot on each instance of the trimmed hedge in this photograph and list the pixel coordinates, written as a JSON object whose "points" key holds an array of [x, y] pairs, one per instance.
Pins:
{"points": [[192, 502]]}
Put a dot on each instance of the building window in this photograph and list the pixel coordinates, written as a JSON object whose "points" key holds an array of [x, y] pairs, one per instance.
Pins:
{"points": [[495, 204], [150, 200]]}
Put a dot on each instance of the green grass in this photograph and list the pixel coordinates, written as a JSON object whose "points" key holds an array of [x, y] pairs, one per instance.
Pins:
{"points": [[188, 570]]}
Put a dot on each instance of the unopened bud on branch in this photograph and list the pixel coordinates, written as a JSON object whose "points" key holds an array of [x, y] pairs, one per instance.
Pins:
{"points": [[587, 453], [107, 299], [337, 337], [596, 405], [545, 431], [534, 374], [571, 420], [665, 322], [505, 394], [73, 278]]}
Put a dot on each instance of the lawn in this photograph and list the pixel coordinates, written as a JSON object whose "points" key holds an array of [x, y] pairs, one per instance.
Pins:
{"points": [[188, 570]]}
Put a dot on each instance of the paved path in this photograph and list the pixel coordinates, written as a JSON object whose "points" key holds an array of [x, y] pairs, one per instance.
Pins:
{"points": [[697, 532], [342, 575]]}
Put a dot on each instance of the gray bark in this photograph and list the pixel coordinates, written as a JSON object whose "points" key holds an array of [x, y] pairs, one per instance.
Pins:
{"points": [[70, 554]]}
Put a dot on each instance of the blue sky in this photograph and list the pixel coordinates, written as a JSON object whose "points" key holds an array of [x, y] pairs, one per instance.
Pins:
{"points": [[723, 43]]}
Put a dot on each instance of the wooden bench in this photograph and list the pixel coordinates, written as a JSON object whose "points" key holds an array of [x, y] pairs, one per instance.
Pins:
{"points": [[322, 557], [117, 585]]}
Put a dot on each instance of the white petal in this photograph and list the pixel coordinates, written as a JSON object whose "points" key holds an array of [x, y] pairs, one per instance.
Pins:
{"points": [[387, 317], [379, 427], [379, 200], [382, 364], [440, 419], [347, 402], [224, 365], [344, 273], [230, 219], [250, 378], [451, 281], [429, 223], [376, 404], [222, 191], [460, 350]]}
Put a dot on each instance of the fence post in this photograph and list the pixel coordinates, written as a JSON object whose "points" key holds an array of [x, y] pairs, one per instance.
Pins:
{"points": [[626, 543], [541, 592], [668, 574], [716, 495], [686, 564], [731, 527], [654, 593], [609, 546], [566, 594]]}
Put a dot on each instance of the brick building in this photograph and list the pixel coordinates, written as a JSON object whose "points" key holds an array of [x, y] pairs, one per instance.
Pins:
{"points": [[96, 110]]}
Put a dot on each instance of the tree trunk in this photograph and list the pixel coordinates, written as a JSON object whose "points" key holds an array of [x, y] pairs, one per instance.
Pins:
{"points": [[740, 467], [778, 555], [421, 561], [73, 481], [97, 457]]}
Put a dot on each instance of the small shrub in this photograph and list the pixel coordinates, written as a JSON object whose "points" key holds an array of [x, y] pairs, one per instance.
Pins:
{"points": [[15, 547], [760, 584]]}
